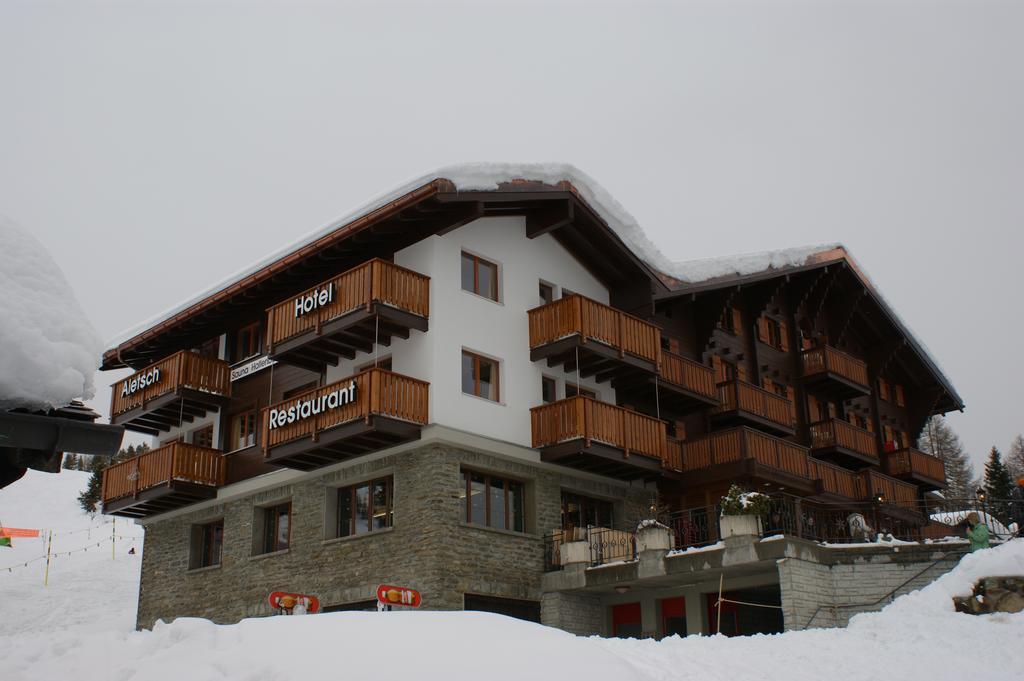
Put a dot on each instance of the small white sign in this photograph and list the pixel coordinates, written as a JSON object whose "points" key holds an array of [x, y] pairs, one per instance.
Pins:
{"points": [[250, 368]]}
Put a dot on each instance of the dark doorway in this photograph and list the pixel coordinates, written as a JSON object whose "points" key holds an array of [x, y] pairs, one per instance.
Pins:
{"points": [[358, 606], [510, 607], [626, 621], [673, 616], [740, 619]]}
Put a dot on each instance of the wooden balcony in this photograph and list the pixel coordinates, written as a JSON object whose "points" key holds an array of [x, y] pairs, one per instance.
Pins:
{"points": [[364, 413], [913, 465], [745, 404], [597, 340], [899, 499], [843, 443], [835, 373], [602, 438], [748, 455], [175, 390], [683, 386], [162, 479], [835, 482], [369, 304]]}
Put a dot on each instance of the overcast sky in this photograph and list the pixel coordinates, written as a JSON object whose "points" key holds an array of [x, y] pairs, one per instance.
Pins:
{"points": [[156, 148]]}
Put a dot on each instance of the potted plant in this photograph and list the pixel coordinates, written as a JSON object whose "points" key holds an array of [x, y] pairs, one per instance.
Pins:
{"points": [[742, 512]]}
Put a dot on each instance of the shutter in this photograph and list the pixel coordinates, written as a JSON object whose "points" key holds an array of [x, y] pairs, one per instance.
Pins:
{"points": [[783, 337], [680, 430], [791, 397], [719, 367], [737, 321], [869, 424], [898, 390], [768, 384], [831, 410], [741, 372], [673, 346], [883, 389], [813, 411], [762, 329]]}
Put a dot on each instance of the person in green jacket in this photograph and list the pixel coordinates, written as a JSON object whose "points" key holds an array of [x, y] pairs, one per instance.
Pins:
{"points": [[977, 532]]}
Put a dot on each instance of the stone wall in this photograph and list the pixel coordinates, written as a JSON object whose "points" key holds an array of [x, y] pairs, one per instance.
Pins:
{"points": [[429, 548], [577, 613], [842, 582]]}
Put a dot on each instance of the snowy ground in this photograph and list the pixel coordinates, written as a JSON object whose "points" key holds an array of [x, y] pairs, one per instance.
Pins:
{"points": [[80, 627]]}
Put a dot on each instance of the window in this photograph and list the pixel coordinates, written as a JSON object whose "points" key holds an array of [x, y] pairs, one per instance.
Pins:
{"points": [[547, 293], [210, 348], [771, 332], [365, 507], [492, 501], [172, 440], [243, 430], [203, 437], [207, 544], [248, 342], [548, 389], [732, 320], [581, 511], [479, 376], [510, 607], [277, 527], [572, 390], [479, 276]]}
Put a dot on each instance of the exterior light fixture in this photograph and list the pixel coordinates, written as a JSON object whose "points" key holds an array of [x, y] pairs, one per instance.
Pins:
{"points": [[879, 497], [621, 589], [981, 494]]}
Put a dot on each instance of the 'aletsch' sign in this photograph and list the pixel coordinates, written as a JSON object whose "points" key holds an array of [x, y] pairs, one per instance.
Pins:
{"points": [[304, 408], [136, 383]]}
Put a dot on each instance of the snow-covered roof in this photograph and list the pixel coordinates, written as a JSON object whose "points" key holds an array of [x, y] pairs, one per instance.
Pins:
{"points": [[745, 264], [49, 351]]}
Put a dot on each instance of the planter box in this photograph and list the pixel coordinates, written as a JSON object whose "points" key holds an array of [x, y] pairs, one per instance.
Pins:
{"points": [[740, 525], [653, 538]]}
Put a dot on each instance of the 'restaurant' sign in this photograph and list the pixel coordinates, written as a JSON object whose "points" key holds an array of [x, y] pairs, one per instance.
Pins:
{"points": [[250, 368], [315, 300], [136, 383], [398, 595], [304, 408]]}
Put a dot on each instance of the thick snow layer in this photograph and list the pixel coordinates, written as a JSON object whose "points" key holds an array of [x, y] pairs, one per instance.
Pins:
{"points": [[48, 349], [81, 627], [707, 269]]}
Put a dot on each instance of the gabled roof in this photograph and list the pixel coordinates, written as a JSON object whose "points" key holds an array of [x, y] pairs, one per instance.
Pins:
{"points": [[711, 274], [468, 191]]}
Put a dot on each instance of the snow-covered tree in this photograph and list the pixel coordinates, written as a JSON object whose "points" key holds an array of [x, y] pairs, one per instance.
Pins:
{"points": [[941, 441], [90, 497]]}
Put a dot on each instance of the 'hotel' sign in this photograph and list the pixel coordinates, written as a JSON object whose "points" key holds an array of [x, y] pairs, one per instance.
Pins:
{"points": [[312, 301]]}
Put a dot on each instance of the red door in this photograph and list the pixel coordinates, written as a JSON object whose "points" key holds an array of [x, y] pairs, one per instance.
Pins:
{"points": [[626, 620], [673, 616]]}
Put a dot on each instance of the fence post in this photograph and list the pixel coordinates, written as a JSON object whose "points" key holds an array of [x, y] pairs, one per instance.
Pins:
{"points": [[46, 575]]}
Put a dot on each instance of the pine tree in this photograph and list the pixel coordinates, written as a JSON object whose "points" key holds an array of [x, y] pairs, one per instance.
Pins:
{"points": [[70, 462], [1014, 460], [998, 486], [941, 441]]}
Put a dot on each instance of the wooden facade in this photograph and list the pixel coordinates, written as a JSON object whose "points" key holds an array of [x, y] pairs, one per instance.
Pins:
{"points": [[797, 379], [162, 479]]}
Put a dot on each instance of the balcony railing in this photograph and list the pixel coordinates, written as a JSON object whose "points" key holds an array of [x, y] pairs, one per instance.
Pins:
{"points": [[837, 434], [828, 360], [745, 398], [688, 374], [167, 471], [893, 491], [143, 401], [374, 283], [369, 411], [737, 444], [836, 480], [916, 464], [587, 421], [575, 315]]}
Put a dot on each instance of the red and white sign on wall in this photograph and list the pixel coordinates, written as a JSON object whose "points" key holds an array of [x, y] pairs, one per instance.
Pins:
{"points": [[398, 595]]}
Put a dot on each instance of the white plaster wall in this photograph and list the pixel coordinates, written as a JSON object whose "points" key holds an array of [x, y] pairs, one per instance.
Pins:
{"points": [[461, 320]]}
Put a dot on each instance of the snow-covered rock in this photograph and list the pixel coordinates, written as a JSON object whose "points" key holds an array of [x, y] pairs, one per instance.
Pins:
{"points": [[49, 350]]}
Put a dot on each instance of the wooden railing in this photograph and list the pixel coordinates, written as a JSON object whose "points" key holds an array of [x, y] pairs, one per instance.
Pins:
{"points": [[893, 491], [375, 281], [376, 392], [740, 395], [689, 374], [184, 369], [176, 461], [830, 359], [576, 315], [837, 433], [745, 443], [913, 461], [836, 480], [585, 418]]}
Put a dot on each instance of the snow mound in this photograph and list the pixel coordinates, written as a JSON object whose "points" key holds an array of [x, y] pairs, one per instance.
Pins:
{"points": [[49, 350]]}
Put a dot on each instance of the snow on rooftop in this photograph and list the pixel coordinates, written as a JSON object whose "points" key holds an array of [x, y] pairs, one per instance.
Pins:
{"points": [[707, 269], [49, 350]]}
